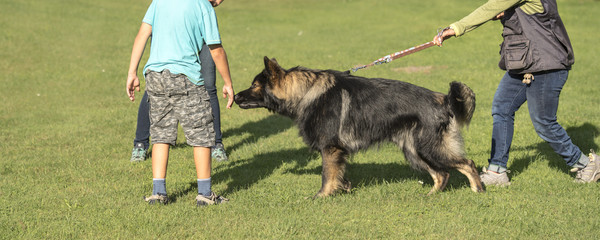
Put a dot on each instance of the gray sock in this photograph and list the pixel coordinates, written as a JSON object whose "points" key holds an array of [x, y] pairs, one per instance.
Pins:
{"points": [[204, 187], [159, 186], [496, 168], [583, 161]]}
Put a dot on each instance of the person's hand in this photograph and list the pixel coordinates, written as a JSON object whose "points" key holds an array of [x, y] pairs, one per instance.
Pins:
{"points": [[133, 84], [228, 93], [445, 34], [499, 16], [215, 3]]}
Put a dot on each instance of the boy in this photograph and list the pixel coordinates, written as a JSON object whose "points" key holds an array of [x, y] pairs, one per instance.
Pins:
{"points": [[175, 86]]}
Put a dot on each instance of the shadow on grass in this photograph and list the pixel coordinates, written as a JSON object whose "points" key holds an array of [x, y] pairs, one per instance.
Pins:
{"points": [[368, 174], [582, 136], [242, 175], [372, 174], [270, 125], [245, 174]]}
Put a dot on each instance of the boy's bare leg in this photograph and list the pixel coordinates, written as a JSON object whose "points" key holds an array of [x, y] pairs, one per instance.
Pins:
{"points": [[205, 195], [202, 161], [160, 157]]}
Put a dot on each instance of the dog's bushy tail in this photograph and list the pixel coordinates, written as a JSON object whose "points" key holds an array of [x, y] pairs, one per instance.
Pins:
{"points": [[462, 101]]}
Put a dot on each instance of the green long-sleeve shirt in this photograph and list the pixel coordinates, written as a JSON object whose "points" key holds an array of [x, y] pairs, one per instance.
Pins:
{"points": [[490, 10]]}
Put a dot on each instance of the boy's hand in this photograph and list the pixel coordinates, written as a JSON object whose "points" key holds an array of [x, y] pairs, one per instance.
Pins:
{"points": [[133, 83], [215, 3], [228, 93]]}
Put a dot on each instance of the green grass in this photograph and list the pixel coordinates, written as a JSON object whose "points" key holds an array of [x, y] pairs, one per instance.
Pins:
{"points": [[66, 129]]}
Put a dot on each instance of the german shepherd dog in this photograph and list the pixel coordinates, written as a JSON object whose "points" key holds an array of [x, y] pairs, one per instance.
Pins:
{"points": [[339, 114]]}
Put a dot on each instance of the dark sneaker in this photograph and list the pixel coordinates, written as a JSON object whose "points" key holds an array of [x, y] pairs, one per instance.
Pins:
{"points": [[158, 198], [210, 200], [490, 178], [591, 172], [138, 153], [218, 152]]}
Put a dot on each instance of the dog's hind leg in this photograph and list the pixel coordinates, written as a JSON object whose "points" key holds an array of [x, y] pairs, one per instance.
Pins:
{"points": [[469, 170], [452, 154], [334, 165], [440, 178]]}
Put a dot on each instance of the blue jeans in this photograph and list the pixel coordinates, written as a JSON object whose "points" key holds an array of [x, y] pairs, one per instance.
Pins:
{"points": [[142, 132], [542, 96]]}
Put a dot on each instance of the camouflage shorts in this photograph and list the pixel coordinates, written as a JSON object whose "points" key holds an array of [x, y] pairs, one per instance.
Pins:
{"points": [[175, 99]]}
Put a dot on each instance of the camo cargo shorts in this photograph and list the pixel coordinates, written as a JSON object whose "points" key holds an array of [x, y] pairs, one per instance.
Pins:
{"points": [[175, 99]]}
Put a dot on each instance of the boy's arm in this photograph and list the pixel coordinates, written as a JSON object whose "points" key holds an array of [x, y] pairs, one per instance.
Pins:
{"points": [[133, 83], [219, 56], [215, 3]]}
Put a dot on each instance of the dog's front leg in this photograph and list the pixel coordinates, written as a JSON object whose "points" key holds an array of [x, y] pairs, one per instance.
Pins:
{"points": [[334, 165]]}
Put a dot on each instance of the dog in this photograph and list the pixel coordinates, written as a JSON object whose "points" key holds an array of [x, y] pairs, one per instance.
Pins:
{"points": [[339, 114]]}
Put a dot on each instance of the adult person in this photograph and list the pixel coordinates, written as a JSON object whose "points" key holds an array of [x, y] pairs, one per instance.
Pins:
{"points": [[537, 55]]}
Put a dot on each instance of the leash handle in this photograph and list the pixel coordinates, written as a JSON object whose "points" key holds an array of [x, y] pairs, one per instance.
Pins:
{"points": [[440, 32]]}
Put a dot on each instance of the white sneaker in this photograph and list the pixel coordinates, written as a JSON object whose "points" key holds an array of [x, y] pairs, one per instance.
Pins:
{"points": [[490, 178]]}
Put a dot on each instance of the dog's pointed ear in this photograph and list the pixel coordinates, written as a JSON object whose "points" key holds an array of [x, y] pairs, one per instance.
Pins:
{"points": [[273, 69]]}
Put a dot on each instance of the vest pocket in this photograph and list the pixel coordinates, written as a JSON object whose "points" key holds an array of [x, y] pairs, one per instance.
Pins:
{"points": [[517, 55]]}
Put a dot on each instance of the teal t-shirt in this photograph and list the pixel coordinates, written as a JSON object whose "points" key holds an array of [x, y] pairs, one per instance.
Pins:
{"points": [[179, 28]]}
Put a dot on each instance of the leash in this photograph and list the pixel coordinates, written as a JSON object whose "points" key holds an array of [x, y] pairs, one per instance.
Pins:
{"points": [[396, 55]]}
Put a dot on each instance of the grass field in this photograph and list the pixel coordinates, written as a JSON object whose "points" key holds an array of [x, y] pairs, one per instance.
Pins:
{"points": [[66, 129]]}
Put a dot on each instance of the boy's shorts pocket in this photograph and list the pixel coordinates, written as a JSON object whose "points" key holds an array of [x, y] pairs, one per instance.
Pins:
{"points": [[197, 122]]}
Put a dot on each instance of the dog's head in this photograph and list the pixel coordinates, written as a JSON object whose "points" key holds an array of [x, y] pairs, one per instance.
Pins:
{"points": [[284, 91], [260, 92]]}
